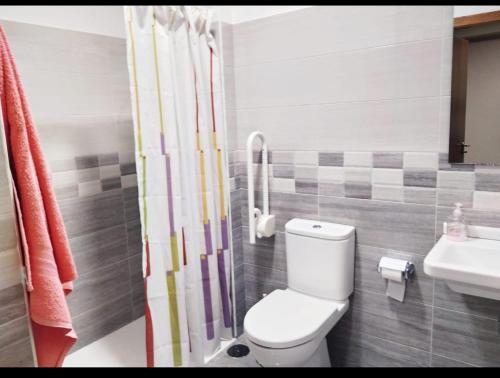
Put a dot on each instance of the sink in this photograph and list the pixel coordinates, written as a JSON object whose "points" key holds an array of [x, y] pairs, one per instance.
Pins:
{"points": [[470, 267]]}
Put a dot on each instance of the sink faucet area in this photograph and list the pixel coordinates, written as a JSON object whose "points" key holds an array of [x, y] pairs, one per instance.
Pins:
{"points": [[469, 267]]}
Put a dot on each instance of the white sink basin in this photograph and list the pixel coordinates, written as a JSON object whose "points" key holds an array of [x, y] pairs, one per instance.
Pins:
{"points": [[470, 267]]}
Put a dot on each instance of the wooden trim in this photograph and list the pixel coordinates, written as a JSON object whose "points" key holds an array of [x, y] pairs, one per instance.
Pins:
{"points": [[476, 19], [458, 99]]}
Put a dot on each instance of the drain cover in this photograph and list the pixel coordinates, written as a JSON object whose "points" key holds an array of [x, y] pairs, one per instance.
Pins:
{"points": [[238, 350]]}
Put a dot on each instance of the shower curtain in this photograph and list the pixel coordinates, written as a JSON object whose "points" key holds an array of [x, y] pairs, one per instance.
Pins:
{"points": [[175, 82]]}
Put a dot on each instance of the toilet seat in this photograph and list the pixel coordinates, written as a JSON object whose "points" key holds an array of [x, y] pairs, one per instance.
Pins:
{"points": [[286, 318]]}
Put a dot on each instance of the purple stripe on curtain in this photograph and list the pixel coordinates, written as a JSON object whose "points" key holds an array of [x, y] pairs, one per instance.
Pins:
{"points": [[169, 195], [208, 238], [223, 227], [207, 296], [224, 293], [162, 140]]}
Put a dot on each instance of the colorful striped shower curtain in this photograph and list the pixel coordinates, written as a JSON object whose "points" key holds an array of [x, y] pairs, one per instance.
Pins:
{"points": [[175, 82]]}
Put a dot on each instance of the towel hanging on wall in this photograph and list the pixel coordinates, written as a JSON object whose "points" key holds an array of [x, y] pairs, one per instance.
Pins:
{"points": [[48, 261]]}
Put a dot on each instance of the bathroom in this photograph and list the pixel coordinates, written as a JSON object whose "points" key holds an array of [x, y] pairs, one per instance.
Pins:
{"points": [[363, 148]]}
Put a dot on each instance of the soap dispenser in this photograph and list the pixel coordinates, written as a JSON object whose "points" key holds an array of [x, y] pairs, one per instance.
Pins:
{"points": [[456, 229]]}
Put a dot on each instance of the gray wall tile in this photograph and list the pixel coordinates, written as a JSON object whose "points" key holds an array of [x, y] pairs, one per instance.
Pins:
{"points": [[331, 189], [421, 196], [455, 333], [448, 197], [93, 324], [376, 331], [403, 227], [13, 331], [283, 171], [97, 249], [17, 354], [366, 277], [407, 323], [108, 159], [358, 190], [335, 159], [99, 286], [416, 177], [85, 162], [260, 280], [287, 206], [446, 298], [440, 361], [91, 118], [266, 252], [388, 160], [351, 348], [489, 182], [12, 304], [306, 186]]}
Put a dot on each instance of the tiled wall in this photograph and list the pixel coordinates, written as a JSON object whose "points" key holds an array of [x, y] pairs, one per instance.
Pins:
{"points": [[354, 102], [15, 346], [78, 89], [230, 103]]}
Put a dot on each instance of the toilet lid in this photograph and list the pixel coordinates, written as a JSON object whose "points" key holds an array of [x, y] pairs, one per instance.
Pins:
{"points": [[286, 318]]}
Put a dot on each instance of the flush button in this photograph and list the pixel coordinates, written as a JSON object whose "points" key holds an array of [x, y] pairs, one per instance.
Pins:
{"points": [[316, 226]]}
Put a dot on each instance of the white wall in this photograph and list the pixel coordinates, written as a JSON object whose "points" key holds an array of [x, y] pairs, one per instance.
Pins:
{"points": [[467, 10], [108, 20], [308, 94], [236, 14], [104, 20]]}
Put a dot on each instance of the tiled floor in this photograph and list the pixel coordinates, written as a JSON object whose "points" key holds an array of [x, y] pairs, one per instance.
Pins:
{"points": [[224, 360]]}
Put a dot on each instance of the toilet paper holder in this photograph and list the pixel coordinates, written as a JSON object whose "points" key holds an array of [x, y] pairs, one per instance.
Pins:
{"points": [[406, 267]]}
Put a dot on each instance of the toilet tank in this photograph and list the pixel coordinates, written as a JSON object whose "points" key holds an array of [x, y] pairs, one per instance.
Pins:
{"points": [[320, 258]]}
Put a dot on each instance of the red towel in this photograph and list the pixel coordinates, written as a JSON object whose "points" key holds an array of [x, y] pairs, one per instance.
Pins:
{"points": [[47, 256]]}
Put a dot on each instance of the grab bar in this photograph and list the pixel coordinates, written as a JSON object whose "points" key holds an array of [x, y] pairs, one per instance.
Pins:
{"points": [[260, 223]]}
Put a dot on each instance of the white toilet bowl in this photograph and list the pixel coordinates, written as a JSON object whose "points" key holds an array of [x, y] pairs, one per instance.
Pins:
{"points": [[288, 329]]}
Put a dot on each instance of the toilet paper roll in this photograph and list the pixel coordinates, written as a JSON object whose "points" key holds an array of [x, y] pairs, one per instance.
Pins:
{"points": [[396, 284], [392, 275], [396, 290]]}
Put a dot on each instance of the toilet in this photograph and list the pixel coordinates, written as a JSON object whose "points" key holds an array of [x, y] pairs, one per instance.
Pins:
{"points": [[289, 327]]}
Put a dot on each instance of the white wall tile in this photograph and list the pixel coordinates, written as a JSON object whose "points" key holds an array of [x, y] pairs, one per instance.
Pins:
{"points": [[10, 268], [444, 124], [282, 157], [306, 158], [357, 174], [388, 193], [446, 65], [282, 185], [421, 160], [63, 178], [128, 181], [390, 72], [455, 180], [331, 174], [486, 200], [358, 159], [89, 188], [386, 176], [109, 171], [398, 125], [295, 35], [308, 172]]}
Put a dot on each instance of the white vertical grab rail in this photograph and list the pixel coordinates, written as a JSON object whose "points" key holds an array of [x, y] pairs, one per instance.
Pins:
{"points": [[259, 223]]}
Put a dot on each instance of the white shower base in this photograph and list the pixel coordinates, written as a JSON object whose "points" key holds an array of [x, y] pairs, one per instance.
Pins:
{"points": [[123, 348]]}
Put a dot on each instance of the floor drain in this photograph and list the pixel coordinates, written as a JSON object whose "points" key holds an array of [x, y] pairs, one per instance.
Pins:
{"points": [[238, 350]]}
